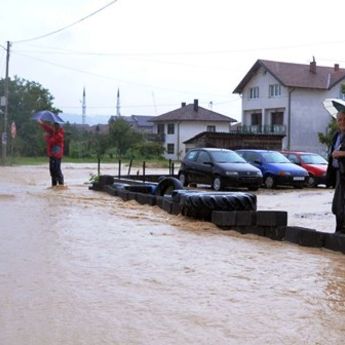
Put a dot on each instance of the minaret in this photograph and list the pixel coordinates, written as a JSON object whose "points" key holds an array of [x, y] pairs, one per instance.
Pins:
{"points": [[118, 103], [84, 108]]}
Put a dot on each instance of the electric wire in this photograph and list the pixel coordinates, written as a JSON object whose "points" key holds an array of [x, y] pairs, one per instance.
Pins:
{"points": [[67, 26], [112, 78]]}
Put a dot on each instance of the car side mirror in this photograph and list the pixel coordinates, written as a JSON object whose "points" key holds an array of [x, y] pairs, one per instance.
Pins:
{"points": [[257, 161]]}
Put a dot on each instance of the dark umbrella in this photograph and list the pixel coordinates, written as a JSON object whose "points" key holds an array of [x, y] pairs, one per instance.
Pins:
{"points": [[46, 115], [334, 105]]}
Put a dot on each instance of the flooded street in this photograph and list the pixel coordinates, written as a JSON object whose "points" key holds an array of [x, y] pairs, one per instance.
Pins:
{"points": [[83, 267]]}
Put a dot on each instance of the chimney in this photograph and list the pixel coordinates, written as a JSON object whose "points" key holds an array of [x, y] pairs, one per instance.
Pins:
{"points": [[196, 106], [183, 104], [312, 67], [336, 67]]}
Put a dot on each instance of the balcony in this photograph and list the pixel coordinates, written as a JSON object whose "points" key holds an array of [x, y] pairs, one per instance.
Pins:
{"points": [[256, 129]]}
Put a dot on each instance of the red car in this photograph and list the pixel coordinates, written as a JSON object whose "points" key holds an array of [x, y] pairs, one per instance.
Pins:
{"points": [[315, 164]]}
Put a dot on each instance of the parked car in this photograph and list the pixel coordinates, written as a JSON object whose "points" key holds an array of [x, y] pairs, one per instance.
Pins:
{"points": [[276, 169], [315, 164], [220, 168]]}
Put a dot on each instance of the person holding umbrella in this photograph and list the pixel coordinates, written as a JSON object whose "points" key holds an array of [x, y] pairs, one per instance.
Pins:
{"points": [[336, 167], [54, 138]]}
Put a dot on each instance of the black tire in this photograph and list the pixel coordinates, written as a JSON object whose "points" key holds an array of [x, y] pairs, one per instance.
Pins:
{"points": [[270, 182], [168, 185], [119, 185], [106, 180], [311, 182], [183, 177], [224, 202], [217, 183], [143, 188]]}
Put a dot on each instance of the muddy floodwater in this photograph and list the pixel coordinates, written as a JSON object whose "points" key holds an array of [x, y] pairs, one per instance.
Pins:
{"points": [[83, 267]]}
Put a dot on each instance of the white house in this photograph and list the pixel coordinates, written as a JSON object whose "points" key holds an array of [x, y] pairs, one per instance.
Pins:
{"points": [[281, 96], [185, 122]]}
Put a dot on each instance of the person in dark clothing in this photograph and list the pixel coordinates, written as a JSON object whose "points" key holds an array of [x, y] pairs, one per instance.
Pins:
{"points": [[336, 173], [55, 146]]}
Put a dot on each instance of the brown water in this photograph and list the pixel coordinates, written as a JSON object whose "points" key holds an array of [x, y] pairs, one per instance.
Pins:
{"points": [[83, 267]]}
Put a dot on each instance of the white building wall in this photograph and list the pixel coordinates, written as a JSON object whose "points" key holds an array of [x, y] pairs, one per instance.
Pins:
{"points": [[308, 116], [185, 130], [262, 80]]}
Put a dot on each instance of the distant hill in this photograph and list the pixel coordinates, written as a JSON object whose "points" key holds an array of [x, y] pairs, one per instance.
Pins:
{"points": [[89, 119]]}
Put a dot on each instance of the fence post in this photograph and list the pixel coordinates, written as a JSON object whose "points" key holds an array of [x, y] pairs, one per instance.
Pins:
{"points": [[99, 165], [119, 172], [144, 166], [130, 167]]}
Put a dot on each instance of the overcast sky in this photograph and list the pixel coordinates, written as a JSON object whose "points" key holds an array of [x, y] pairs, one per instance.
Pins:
{"points": [[160, 53]]}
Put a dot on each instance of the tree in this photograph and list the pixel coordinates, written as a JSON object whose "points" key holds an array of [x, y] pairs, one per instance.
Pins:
{"points": [[26, 98], [326, 138], [122, 136]]}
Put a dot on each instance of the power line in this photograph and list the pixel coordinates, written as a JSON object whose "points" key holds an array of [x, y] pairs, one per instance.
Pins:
{"points": [[112, 78], [67, 26]]}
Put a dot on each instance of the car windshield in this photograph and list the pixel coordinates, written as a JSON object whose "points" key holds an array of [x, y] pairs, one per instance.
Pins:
{"points": [[227, 157], [274, 157], [313, 159]]}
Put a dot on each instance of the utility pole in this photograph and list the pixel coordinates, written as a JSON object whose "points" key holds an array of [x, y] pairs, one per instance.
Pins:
{"points": [[4, 135], [118, 113], [84, 108]]}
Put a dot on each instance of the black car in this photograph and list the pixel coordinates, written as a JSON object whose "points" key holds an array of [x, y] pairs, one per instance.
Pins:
{"points": [[220, 168]]}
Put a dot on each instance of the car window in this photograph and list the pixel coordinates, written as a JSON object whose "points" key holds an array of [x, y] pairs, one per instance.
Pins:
{"points": [[251, 156], [293, 158], [203, 157], [191, 156], [313, 159], [274, 157], [227, 157]]}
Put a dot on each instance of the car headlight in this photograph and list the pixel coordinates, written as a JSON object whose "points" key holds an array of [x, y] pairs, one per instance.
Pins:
{"points": [[231, 173], [259, 173]]}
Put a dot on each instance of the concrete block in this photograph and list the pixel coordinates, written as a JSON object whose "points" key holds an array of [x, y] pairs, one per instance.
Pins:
{"points": [[223, 218], [335, 241], [110, 190], [276, 233], [271, 218], [143, 198]]}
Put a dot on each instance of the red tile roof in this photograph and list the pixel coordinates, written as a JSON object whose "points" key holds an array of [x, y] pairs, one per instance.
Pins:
{"points": [[296, 75], [188, 113]]}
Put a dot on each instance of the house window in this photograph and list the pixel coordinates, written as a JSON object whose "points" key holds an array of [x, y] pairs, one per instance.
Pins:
{"points": [[277, 118], [170, 148], [160, 128], [274, 90], [254, 92], [211, 128], [256, 119], [171, 128]]}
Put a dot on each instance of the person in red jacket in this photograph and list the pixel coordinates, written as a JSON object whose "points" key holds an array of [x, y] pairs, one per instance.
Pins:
{"points": [[55, 144]]}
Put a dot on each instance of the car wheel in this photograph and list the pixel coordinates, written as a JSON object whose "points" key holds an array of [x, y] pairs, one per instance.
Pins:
{"points": [[311, 181], [269, 182], [183, 179], [217, 183]]}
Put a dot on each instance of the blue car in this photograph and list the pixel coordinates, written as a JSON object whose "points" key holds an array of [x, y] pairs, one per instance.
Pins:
{"points": [[276, 169]]}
